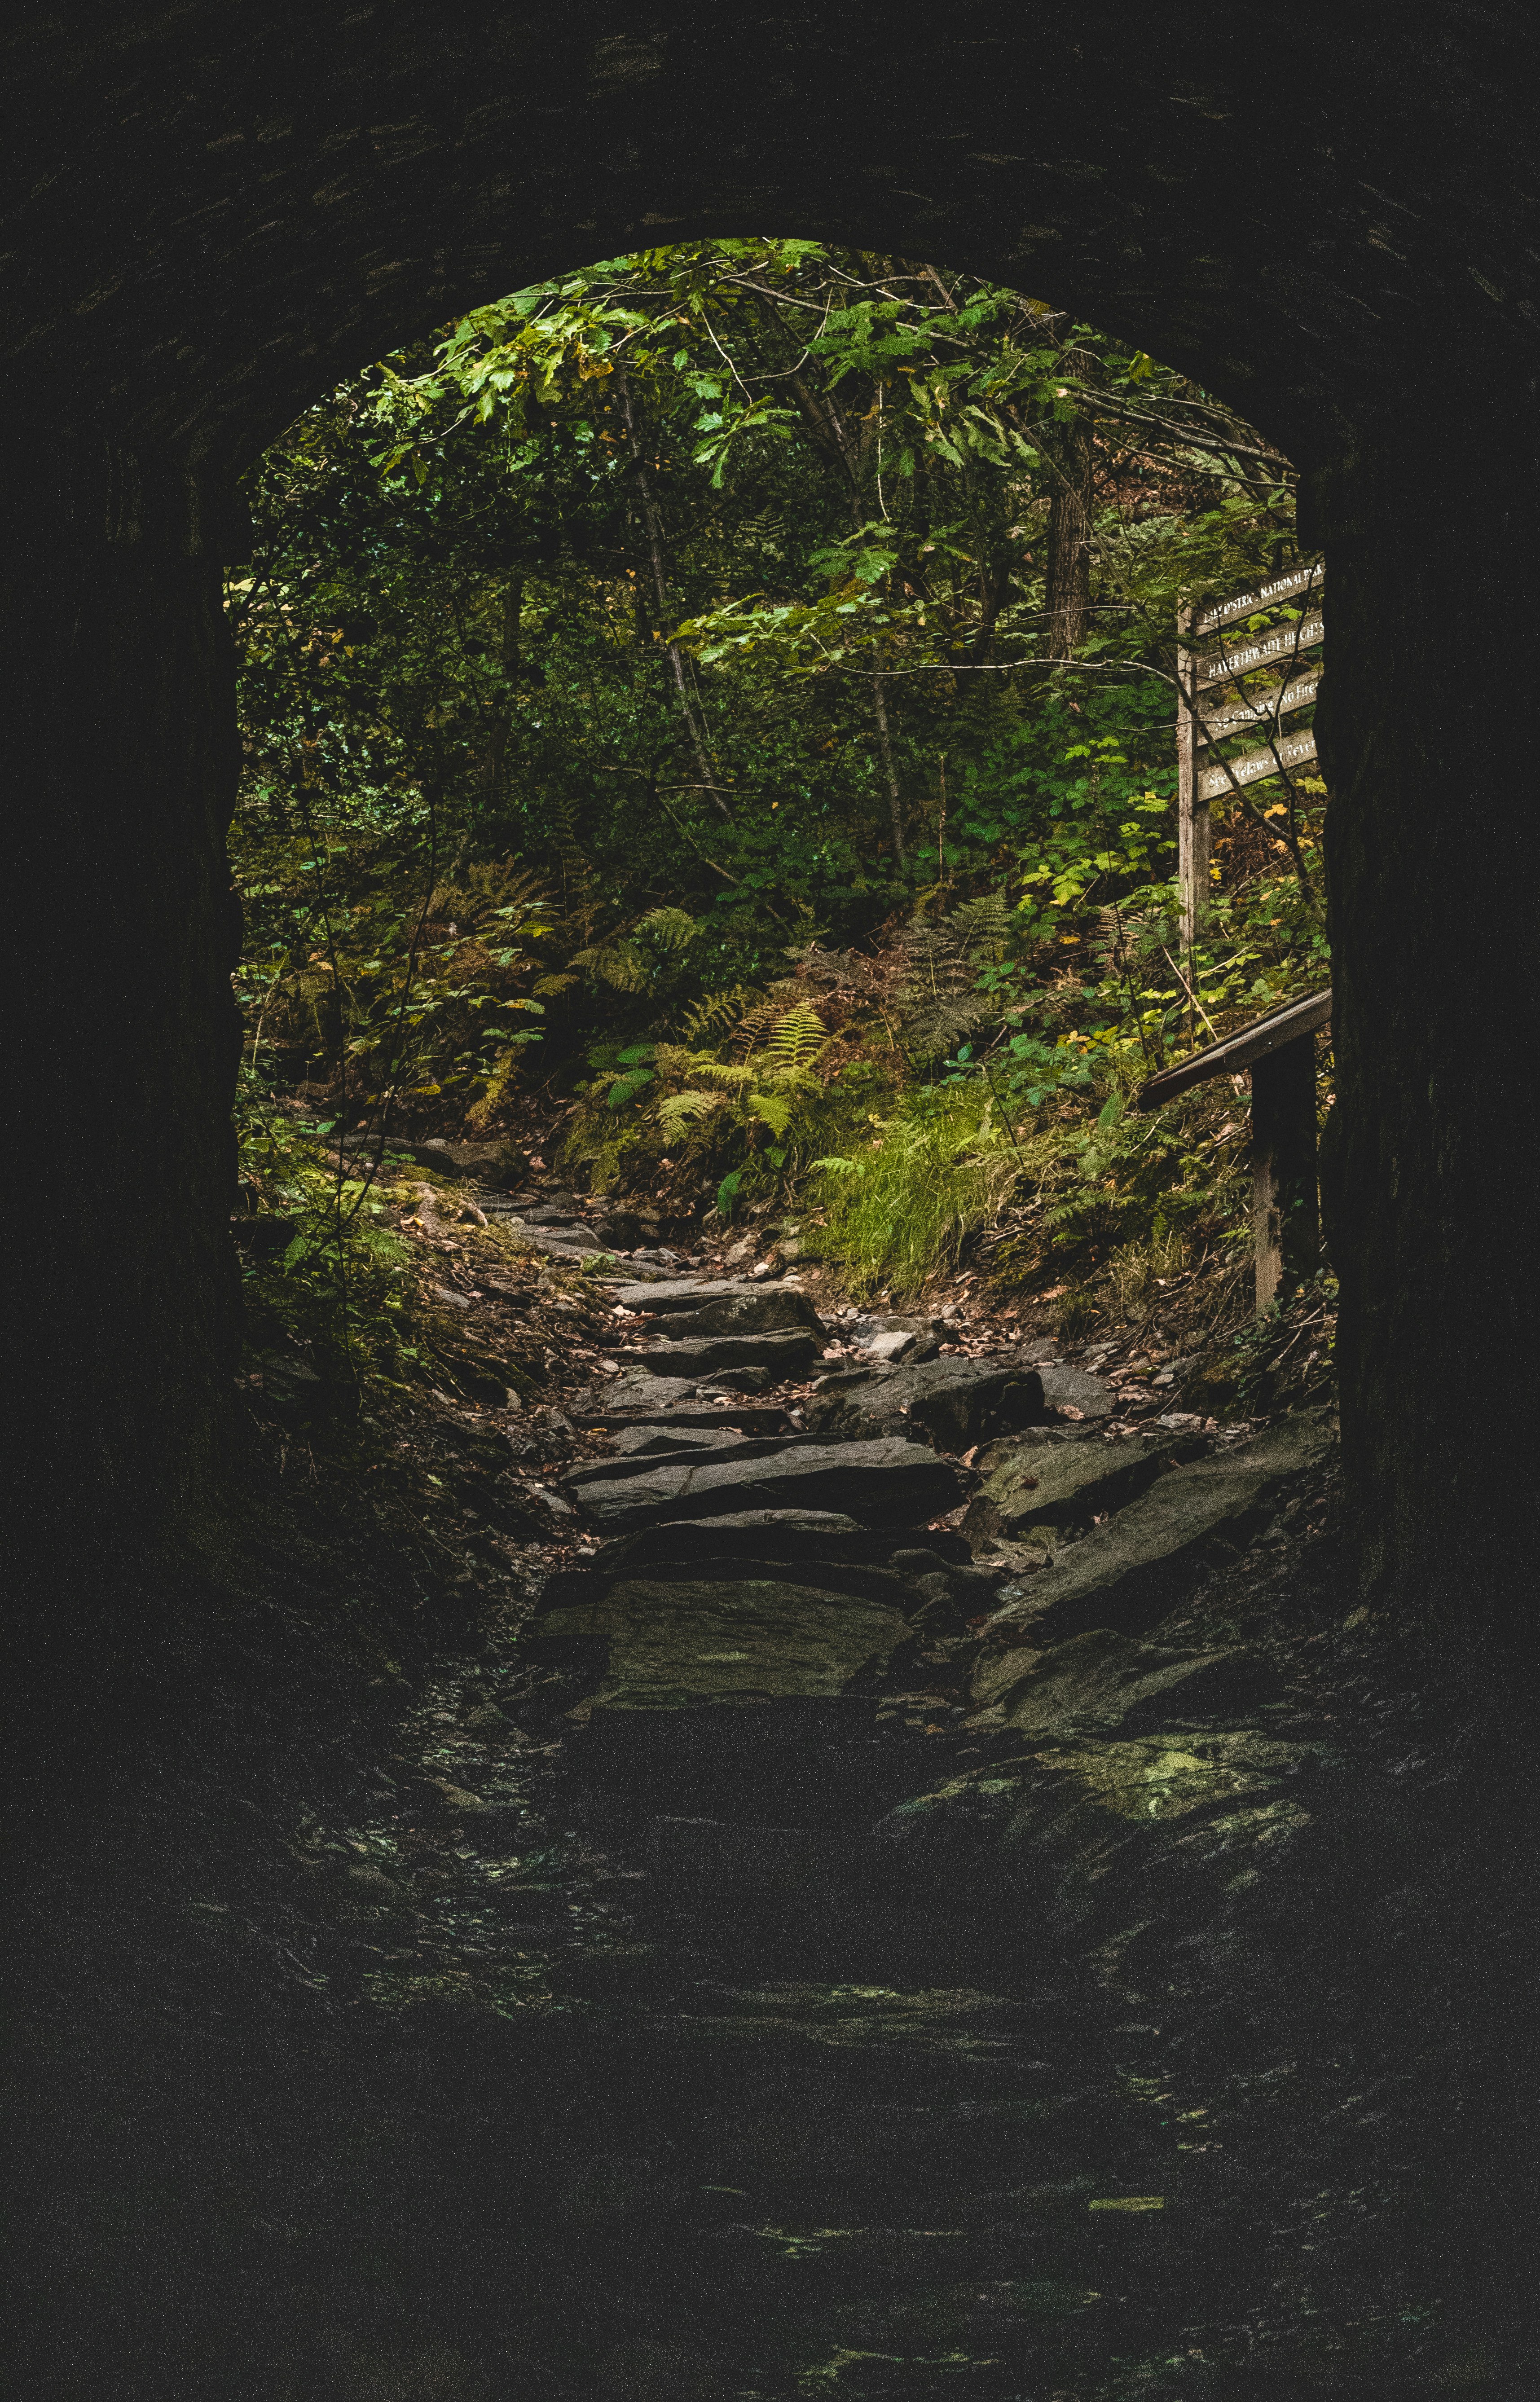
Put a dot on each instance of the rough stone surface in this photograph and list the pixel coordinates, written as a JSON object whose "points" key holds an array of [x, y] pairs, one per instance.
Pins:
{"points": [[673, 1295], [953, 1402], [1075, 1388], [1105, 1678], [784, 1356], [672, 1646], [1031, 1484], [756, 1309], [783, 1536], [727, 1445], [1129, 1573], [888, 1482]]}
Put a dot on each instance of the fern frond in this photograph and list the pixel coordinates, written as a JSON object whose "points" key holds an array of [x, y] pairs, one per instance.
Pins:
{"points": [[613, 963], [717, 1011], [677, 1111], [672, 928], [547, 985], [773, 1108], [723, 1071], [797, 1036]]}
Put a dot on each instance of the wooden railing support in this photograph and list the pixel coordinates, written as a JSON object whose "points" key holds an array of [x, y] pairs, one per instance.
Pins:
{"points": [[1279, 1050], [1284, 1210]]}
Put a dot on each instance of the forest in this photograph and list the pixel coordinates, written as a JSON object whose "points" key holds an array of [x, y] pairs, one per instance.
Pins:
{"points": [[712, 714]]}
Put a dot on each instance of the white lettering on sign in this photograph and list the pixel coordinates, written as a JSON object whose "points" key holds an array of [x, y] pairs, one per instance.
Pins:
{"points": [[1255, 767], [1280, 644], [1260, 709], [1267, 596]]}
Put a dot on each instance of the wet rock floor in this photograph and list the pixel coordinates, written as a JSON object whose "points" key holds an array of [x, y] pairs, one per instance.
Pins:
{"points": [[1018, 2062]]}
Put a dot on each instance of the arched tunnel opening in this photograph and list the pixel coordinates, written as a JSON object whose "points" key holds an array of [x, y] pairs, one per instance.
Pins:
{"points": [[691, 2167]]}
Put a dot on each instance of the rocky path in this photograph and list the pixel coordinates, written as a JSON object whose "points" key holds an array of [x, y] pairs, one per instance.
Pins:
{"points": [[871, 1828]]}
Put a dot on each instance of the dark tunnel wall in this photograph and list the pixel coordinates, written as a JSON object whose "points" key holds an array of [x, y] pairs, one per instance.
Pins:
{"points": [[210, 216]]}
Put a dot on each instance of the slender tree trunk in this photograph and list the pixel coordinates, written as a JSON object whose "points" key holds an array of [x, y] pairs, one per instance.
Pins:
{"points": [[890, 774], [1069, 447], [660, 587], [513, 615]]}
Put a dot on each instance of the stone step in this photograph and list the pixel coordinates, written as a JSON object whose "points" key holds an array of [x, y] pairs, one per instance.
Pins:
{"points": [[671, 1293], [758, 1309], [953, 1402], [692, 1442], [783, 1357], [890, 1482], [779, 1537], [705, 1686]]}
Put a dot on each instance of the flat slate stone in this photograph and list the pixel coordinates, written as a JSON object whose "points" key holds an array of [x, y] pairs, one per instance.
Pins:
{"points": [[723, 1689], [1029, 1484], [672, 1647], [784, 1356], [635, 1390], [1105, 1678], [953, 1402], [640, 1442], [671, 1293], [1129, 1573], [693, 1445], [889, 1482], [748, 1417], [1076, 1388], [779, 1538], [754, 1309]]}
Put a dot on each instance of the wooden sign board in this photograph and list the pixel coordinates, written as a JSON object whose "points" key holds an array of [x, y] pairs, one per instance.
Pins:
{"points": [[1255, 767], [1260, 709], [1276, 589], [1280, 644]]}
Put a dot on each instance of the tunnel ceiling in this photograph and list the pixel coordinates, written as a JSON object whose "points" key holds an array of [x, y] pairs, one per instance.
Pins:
{"points": [[213, 213]]}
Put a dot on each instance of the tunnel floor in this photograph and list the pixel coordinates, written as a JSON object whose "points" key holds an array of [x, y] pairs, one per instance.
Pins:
{"points": [[470, 2075]]}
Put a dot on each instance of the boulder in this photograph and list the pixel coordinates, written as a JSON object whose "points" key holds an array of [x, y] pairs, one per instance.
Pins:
{"points": [[889, 1482], [1037, 1484], [1109, 1679], [951, 1403], [783, 1356], [1127, 1574]]}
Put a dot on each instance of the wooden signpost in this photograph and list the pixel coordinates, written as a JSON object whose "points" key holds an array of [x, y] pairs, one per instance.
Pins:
{"points": [[1279, 1050]]}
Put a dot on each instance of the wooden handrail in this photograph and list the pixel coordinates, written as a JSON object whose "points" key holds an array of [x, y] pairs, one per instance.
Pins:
{"points": [[1255, 1041]]}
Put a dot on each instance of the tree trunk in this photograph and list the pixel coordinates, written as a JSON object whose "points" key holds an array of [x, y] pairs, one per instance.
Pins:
{"points": [[1069, 447], [119, 752], [660, 585]]}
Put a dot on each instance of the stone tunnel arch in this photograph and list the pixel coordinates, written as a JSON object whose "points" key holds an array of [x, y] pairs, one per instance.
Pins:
{"points": [[209, 220]]}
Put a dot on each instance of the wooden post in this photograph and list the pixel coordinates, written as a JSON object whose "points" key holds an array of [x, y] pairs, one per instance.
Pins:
{"points": [[1192, 828], [1284, 1206]]}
